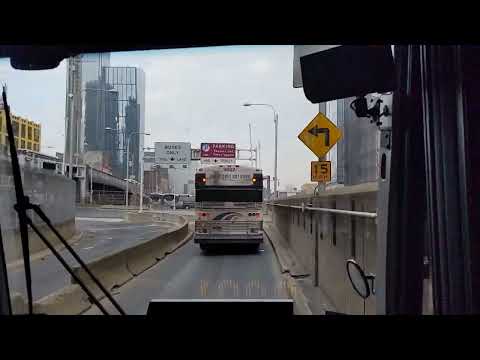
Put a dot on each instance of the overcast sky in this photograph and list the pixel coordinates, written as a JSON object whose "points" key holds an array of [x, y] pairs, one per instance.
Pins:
{"points": [[193, 95]]}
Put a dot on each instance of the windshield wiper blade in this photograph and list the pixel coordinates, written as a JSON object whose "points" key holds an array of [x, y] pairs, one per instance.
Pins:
{"points": [[5, 303], [21, 210]]}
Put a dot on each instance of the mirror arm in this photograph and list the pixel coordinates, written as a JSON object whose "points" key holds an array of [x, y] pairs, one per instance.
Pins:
{"points": [[371, 277]]}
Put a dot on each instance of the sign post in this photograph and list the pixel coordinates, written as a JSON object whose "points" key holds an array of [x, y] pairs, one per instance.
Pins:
{"points": [[320, 135]]}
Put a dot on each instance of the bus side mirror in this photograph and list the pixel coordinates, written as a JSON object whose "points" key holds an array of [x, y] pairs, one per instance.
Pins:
{"points": [[364, 285], [347, 71]]}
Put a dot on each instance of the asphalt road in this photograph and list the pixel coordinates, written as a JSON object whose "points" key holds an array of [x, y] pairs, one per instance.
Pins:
{"points": [[104, 231], [190, 274]]}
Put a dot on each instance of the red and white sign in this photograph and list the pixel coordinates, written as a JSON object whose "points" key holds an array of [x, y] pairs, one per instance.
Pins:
{"points": [[217, 150], [217, 153]]}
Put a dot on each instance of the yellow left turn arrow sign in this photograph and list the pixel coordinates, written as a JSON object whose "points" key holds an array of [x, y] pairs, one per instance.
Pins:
{"points": [[320, 135]]}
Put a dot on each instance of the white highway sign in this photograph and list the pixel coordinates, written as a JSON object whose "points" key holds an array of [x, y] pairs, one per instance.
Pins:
{"points": [[172, 153]]}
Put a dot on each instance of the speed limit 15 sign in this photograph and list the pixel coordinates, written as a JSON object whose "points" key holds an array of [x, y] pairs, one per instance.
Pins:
{"points": [[321, 171]]}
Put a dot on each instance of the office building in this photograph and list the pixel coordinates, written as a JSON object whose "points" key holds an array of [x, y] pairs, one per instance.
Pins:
{"points": [[101, 113], [92, 66], [125, 116], [27, 133], [105, 107], [84, 103]]}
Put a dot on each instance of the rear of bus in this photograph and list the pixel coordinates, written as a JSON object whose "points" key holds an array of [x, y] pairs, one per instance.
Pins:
{"points": [[228, 206]]}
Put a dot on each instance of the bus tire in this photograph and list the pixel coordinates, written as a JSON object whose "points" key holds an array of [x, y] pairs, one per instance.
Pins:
{"points": [[204, 247]]}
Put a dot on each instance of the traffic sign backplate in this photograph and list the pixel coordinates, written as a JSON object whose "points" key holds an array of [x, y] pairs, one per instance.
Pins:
{"points": [[321, 171], [320, 135]]}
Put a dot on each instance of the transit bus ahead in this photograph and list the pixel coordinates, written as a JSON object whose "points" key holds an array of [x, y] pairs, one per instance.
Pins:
{"points": [[228, 201]]}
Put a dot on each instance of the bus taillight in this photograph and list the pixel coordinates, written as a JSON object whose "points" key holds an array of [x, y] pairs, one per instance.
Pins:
{"points": [[257, 180], [200, 179]]}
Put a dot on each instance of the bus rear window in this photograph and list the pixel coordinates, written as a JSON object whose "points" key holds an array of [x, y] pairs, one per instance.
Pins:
{"points": [[229, 195]]}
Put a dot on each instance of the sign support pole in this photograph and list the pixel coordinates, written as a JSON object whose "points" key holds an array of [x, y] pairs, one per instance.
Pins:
{"points": [[321, 185]]}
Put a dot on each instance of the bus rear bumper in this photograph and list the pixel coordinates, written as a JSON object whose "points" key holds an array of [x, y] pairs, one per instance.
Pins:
{"points": [[227, 239]]}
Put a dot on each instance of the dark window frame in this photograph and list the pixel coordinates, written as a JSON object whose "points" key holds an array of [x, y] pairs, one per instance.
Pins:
{"points": [[229, 194]]}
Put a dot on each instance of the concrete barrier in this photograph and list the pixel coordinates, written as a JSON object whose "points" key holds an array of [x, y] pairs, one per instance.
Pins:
{"points": [[118, 268], [322, 242], [290, 267], [54, 193], [67, 301], [145, 255], [286, 257], [111, 271], [135, 217], [296, 293], [13, 247]]}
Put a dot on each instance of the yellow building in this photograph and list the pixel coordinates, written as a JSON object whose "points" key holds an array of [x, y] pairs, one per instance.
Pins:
{"points": [[27, 133]]}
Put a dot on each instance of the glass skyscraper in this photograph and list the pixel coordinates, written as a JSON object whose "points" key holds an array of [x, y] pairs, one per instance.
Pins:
{"points": [[84, 106], [108, 106], [95, 99], [127, 86], [92, 65]]}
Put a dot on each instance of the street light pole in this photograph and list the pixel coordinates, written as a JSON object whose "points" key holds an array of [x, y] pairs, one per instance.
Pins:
{"points": [[174, 204], [275, 120], [128, 180], [64, 154], [250, 132], [141, 185], [276, 154], [141, 166], [258, 155], [91, 185], [70, 128]]}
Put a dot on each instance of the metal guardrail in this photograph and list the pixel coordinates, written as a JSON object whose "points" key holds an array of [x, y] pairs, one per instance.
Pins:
{"points": [[328, 210]]}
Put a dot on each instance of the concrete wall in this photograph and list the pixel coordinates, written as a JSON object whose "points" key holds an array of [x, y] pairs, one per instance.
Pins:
{"points": [[337, 238], [54, 193]]}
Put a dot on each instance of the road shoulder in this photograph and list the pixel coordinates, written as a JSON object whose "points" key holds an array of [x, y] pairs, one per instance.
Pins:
{"points": [[309, 299]]}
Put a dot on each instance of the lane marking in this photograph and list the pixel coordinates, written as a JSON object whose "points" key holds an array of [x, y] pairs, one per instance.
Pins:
{"points": [[88, 248]]}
